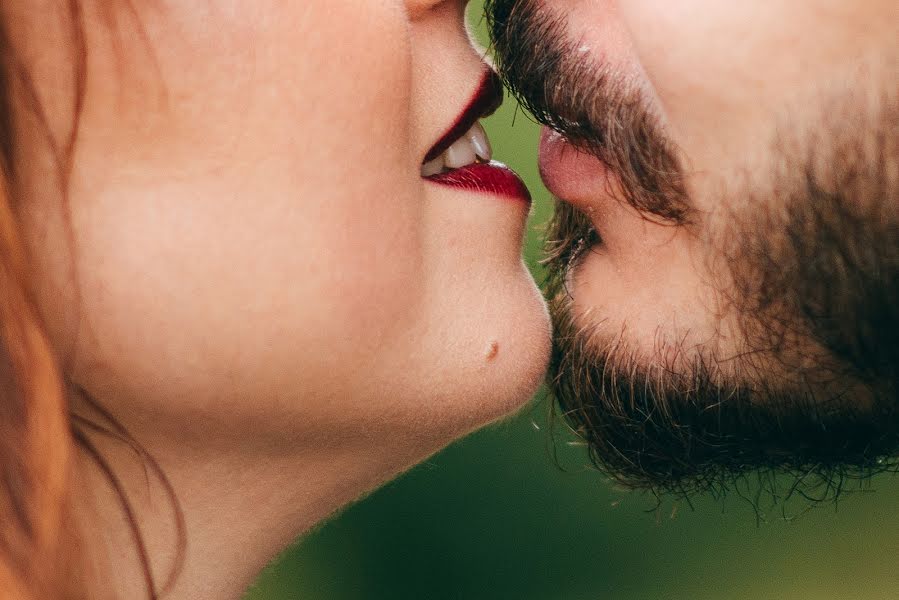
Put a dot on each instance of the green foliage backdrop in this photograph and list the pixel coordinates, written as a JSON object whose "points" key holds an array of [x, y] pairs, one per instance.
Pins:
{"points": [[515, 513]]}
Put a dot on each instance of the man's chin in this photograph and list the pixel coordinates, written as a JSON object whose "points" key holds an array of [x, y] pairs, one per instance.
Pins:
{"points": [[692, 429]]}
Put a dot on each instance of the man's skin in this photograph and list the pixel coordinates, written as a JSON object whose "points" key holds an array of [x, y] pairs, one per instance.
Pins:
{"points": [[724, 259]]}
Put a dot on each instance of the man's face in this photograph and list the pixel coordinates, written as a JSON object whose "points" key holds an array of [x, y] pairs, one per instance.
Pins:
{"points": [[724, 259]]}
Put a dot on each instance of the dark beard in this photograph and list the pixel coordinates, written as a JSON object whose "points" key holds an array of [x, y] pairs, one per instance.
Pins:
{"points": [[822, 274], [825, 274]]}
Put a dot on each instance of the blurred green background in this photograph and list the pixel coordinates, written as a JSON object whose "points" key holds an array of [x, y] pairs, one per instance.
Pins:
{"points": [[514, 512]]}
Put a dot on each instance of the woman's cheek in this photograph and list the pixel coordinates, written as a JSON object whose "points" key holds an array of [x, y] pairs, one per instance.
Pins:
{"points": [[275, 212]]}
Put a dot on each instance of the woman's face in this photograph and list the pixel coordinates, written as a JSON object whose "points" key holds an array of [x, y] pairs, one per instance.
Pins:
{"points": [[254, 249]]}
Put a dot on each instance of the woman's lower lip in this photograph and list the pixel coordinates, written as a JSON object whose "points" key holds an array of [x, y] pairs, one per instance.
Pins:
{"points": [[489, 178]]}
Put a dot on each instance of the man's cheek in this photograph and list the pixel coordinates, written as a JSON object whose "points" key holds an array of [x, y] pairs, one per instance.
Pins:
{"points": [[596, 29]]}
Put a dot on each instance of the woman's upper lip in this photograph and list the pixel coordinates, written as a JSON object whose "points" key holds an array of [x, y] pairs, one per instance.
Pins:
{"points": [[484, 103]]}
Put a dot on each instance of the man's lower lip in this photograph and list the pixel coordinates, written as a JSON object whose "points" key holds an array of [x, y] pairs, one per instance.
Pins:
{"points": [[488, 178], [571, 174]]}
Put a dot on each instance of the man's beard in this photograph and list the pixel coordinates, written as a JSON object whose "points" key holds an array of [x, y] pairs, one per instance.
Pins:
{"points": [[821, 272]]}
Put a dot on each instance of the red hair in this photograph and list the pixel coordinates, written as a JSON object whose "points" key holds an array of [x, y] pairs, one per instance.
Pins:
{"points": [[39, 435], [36, 445]]}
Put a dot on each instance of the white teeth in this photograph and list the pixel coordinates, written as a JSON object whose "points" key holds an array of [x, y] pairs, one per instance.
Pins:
{"points": [[480, 142], [472, 147], [461, 153], [432, 168]]}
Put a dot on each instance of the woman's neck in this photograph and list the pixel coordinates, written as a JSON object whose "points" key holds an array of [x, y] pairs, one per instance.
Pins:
{"points": [[240, 507]]}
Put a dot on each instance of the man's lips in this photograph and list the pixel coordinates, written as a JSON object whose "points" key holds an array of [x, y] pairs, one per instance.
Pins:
{"points": [[462, 158], [571, 174]]}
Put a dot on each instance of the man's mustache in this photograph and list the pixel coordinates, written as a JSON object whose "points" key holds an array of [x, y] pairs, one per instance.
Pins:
{"points": [[596, 109]]}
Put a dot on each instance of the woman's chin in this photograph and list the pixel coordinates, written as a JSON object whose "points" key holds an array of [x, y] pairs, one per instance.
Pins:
{"points": [[517, 375], [492, 367]]}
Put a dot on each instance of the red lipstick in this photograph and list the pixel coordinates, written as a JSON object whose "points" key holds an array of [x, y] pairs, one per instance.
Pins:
{"points": [[481, 174], [490, 178]]}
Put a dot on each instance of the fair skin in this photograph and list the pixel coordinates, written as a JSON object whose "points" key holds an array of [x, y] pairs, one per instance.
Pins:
{"points": [[259, 285]]}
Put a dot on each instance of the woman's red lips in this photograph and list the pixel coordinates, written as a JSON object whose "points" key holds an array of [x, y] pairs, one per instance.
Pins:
{"points": [[490, 178], [445, 163]]}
